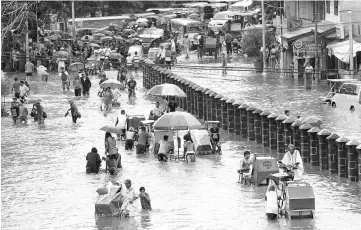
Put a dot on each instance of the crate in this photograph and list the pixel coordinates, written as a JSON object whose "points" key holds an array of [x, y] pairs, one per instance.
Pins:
{"points": [[262, 168], [300, 200]]}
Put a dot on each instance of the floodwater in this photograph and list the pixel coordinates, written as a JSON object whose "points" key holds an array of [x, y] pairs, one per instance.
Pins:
{"points": [[44, 185], [271, 92]]}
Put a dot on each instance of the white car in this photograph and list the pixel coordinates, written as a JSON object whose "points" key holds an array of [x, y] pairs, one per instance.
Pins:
{"points": [[220, 20], [348, 97]]}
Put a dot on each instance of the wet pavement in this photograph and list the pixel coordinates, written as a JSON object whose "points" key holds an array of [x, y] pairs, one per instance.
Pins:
{"points": [[44, 185]]}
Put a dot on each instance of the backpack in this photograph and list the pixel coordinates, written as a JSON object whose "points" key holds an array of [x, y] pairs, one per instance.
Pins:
{"points": [[64, 77], [14, 111]]}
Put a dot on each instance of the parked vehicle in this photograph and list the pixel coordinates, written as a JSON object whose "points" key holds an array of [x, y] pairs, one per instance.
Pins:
{"points": [[348, 96], [183, 26], [151, 37], [131, 53], [221, 21]]}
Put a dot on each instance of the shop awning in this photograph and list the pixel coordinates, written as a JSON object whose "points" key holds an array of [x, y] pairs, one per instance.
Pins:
{"points": [[341, 50], [294, 35], [243, 3]]}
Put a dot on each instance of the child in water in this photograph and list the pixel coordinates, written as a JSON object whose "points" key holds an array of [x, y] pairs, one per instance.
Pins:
{"points": [[144, 199], [272, 205]]}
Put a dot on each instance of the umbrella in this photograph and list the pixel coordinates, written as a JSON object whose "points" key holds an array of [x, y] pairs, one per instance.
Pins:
{"points": [[119, 38], [313, 121], [94, 45], [112, 129], [33, 100], [112, 83], [77, 66], [107, 38], [107, 32], [177, 121], [115, 55], [61, 54], [99, 35], [167, 90]]}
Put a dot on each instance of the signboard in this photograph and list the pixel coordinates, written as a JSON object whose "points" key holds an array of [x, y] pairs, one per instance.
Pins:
{"points": [[306, 48], [340, 31]]}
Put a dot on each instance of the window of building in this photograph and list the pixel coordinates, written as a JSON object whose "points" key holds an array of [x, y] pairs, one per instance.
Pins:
{"points": [[335, 7], [61, 26], [328, 6]]}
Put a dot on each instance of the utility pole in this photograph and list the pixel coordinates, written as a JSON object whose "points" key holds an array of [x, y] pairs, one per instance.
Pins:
{"points": [[73, 19], [351, 42], [263, 38], [27, 35], [317, 63]]}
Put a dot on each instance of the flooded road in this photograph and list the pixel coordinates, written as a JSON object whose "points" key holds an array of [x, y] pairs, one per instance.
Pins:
{"points": [[44, 185], [271, 92]]}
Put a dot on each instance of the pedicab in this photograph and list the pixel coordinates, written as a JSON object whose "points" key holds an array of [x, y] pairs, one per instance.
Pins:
{"points": [[148, 124], [170, 124], [133, 121], [210, 46], [295, 197]]}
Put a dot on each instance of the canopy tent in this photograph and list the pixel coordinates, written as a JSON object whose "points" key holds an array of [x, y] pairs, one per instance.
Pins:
{"points": [[244, 3], [341, 50]]}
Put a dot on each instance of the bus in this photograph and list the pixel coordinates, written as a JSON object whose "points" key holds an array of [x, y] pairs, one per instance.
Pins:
{"points": [[192, 28]]}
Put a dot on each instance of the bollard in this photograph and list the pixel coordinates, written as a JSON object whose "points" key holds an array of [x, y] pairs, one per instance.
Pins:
{"points": [[265, 127], [358, 149], [205, 103], [272, 130], [250, 123], [188, 98], [280, 135], [230, 115], [180, 99], [305, 142], [342, 156], [243, 110], [144, 72], [156, 75], [258, 125], [352, 159], [192, 98], [332, 153], [225, 124], [323, 147], [296, 134], [162, 75], [199, 102], [167, 79], [214, 106], [218, 107], [195, 99], [184, 88], [209, 104], [237, 117], [314, 153], [288, 132]]}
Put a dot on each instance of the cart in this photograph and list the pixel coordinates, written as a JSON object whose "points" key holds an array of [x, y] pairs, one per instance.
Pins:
{"points": [[133, 121], [296, 198], [210, 46], [148, 124]]}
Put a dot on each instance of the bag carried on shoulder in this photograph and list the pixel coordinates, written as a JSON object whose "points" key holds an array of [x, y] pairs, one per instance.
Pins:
{"points": [[45, 115]]}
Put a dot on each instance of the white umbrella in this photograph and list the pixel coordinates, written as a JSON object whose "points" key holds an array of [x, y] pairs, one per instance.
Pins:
{"points": [[243, 3], [112, 83], [177, 121], [167, 90], [112, 129]]}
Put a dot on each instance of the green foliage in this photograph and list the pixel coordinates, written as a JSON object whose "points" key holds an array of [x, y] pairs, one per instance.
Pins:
{"points": [[252, 42]]}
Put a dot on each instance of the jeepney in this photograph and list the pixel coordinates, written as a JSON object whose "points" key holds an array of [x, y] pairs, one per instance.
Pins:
{"points": [[192, 28]]}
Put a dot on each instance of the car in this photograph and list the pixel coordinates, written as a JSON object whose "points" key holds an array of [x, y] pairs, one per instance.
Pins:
{"points": [[221, 20], [348, 96]]}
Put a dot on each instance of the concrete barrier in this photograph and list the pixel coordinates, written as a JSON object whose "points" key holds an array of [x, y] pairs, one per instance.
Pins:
{"points": [[265, 128], [319, 147], [243, 116], [272, 130], [225, 124], [258, 125], [250, 123], [230, 115], [237, 117], [323, 147], [342, 156]]}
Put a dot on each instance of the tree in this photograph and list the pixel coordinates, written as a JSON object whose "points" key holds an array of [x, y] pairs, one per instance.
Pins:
{"points": [[252, 41]]}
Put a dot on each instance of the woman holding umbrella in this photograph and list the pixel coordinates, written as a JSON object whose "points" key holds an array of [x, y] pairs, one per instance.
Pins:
{"points": [[107, 98]]}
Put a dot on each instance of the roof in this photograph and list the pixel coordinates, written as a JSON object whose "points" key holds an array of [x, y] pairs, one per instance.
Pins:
{"points": [[323, 26], [101, 18], [144, 14], [184, 21], [160, 9]]}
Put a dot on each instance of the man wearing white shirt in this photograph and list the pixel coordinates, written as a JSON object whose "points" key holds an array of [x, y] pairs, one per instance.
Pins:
{"points": [[23, 89], [293, 158], [42, 72], [157, 111], [121, 122], [163, 149], [129, 196], [107, 51]]}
